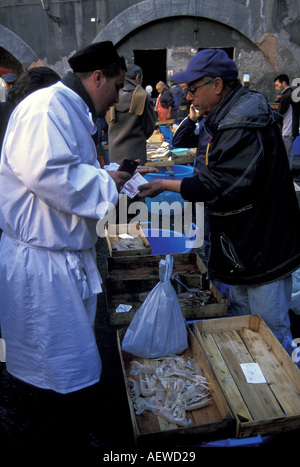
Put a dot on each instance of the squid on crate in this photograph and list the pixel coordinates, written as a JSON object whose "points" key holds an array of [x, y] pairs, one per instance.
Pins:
{"points": [[169, 387]]}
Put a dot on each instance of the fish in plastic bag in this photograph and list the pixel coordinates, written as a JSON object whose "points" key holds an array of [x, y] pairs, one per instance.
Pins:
{"points": [[158, 328]]}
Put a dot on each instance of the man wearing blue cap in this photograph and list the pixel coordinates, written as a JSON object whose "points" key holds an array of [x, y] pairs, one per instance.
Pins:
{"points": [[247, 188], [9, 80]]}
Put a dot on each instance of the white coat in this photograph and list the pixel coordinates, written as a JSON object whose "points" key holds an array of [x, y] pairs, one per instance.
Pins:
{"points": [[52, 193]]}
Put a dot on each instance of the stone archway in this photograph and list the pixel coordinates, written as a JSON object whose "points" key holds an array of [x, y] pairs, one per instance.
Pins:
{"points": [[16, 47], [239, 17]]}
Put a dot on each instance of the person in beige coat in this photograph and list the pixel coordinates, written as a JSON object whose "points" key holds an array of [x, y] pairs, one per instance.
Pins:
{"points": [[131, 121]]}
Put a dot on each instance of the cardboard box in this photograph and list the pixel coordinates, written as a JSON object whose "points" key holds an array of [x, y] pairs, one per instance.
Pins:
{"points": [[212, 422], [259, 408], [130, 281]]}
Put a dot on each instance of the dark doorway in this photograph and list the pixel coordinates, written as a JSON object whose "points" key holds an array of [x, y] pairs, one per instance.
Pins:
{"points": [[154, 66], [228, 50]]}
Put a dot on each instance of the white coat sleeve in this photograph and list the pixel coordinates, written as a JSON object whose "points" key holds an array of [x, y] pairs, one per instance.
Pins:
{"points": [[54, 156]]}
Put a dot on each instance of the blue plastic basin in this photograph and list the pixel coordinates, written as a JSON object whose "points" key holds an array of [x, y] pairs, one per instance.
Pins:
{"points": [[297, 146], [176, 172], [167, 242], [166, 132]]}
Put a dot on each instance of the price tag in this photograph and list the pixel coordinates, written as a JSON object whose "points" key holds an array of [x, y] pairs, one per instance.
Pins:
{"points": [[253, 373]]}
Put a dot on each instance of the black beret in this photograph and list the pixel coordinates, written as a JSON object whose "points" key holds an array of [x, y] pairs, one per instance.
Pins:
{"points": [[94, 57]]}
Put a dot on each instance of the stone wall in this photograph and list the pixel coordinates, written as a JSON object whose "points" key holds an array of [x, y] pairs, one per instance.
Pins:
{"points": [[264, 34]]}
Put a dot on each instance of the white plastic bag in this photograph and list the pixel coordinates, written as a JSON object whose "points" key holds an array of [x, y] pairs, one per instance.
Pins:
{"points": [[158, 328]]}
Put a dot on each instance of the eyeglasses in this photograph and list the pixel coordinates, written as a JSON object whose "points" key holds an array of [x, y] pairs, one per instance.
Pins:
{"points": [[193, 91]]}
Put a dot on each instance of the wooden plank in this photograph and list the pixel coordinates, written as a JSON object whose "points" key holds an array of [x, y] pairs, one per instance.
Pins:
{"points": [[188, 262], [259, 398], [125, 359], [223, 325], [281, 383], [205, 311], [254, 322], [198, 353], [282, 356], [224, 377], [165, 122], [135, 300], [189, 314], [269, 426], [169, 170], [160, 163]]}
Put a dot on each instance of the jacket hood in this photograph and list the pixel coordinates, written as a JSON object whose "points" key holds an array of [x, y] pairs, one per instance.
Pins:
{"points": [[125, 95], [241, 108]]}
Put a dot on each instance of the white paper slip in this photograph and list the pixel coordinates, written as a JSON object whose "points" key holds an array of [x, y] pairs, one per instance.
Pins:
{"points": [[123, 308], [125, 236], [253, 373]]}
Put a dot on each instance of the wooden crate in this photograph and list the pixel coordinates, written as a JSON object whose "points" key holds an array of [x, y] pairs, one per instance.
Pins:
{"points": [[131, 279], [187, 158], [208, 423], [265, 408], [140, 244]]}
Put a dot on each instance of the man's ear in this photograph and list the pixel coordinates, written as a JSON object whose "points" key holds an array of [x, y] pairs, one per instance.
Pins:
{"points": [[98, 77], [219, 85]]}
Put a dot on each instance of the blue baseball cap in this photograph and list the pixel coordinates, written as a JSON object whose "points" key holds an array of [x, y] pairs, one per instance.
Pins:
{"points": [[9, 78], [208, 62]]}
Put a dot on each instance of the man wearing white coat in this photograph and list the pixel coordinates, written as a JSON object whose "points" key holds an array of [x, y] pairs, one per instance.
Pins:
{"points": [[52, 193]]}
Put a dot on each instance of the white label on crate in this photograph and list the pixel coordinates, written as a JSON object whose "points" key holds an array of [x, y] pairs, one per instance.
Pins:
{"points": [[125, 236], [123, 308], [253, 373]]}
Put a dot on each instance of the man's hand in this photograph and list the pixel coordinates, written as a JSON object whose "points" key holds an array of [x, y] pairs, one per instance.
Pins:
{"points": [[146, 170], [194, 115], [151, 189], [157, 186], [119, 177]]}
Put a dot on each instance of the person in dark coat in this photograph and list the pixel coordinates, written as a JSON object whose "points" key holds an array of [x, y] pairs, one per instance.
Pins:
{"points": [[290, 112], [184, 104], [247, 188], [131, 121], [165, 102], [28, 82]]}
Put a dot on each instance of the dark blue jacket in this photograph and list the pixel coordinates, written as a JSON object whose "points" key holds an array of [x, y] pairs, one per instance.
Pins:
{"points": [[185, 137], [248, 189]]}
